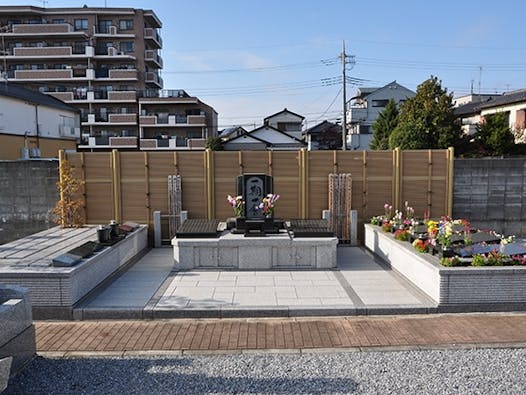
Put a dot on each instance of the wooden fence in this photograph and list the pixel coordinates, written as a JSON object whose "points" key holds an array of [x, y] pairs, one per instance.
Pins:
{"points": [[131, 185]]}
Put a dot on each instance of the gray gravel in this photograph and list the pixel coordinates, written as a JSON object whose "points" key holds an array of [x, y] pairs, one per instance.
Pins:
{"points": [[483, 371]]}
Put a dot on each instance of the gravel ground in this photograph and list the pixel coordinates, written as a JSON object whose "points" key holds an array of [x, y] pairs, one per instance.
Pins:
{"points": [[483, 371]]}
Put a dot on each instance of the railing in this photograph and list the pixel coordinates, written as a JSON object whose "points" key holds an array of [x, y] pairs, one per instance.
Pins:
{"points": [[44, 28]]}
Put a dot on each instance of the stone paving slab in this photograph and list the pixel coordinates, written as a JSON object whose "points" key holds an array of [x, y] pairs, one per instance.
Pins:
{"points": [[237, 335], [360, 285]]}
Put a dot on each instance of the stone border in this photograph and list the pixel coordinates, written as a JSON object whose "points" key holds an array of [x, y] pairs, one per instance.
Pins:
{"points": [[449, 285], [62, 287]]}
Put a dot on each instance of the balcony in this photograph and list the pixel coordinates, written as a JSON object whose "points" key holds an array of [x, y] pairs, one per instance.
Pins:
{"points": [[105, 142], [153, 78], [174, 143], [52, 52], [45, 29], [110, 31], [110, 119], [153, 57], [152, 36], [54, 74], [172, 120], [117, 74]]}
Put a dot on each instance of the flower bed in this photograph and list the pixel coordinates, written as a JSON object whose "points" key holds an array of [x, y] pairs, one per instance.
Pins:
{"points": [[448, 260], [504, 286]]}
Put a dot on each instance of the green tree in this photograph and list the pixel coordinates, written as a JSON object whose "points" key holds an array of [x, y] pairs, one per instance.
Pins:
{"points": [[214, 143], [427, 120], [384, 125], [494, 136]]}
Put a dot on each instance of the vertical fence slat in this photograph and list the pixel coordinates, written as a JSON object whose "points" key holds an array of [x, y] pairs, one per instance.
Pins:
{"points": [[116, 180]]}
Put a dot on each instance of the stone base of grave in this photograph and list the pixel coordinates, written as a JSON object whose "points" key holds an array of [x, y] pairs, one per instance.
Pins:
{"points": [[277, 251]]}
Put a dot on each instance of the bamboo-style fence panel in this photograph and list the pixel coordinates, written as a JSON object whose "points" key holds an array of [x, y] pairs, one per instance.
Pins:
{"points": [[129, 186]]}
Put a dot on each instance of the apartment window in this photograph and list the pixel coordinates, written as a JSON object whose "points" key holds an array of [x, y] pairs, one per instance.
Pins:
{"points": [[380, 103], [126, 46], [81, 24], [104, 26], [58, 21], [39, 66], [126, 24]]}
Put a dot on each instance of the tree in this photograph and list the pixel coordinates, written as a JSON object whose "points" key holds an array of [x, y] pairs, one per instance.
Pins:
{"points": [[427, 120], [384, 125], [494, 136], [69, 209], [330, 139], [214, 143]]}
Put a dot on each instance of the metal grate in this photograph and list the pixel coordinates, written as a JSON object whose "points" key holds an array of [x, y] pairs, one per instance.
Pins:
{"points": [[196, 228], [311, 228]]}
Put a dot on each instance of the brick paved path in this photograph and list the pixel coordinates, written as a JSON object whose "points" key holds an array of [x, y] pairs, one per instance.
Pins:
{"points": [[250, 334]]}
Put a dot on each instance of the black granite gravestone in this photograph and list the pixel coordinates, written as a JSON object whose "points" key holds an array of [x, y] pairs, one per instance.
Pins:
{"points": [[253, 188]]}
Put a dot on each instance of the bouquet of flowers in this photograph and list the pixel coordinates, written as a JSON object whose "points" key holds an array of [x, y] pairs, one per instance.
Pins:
{"points": [[237, 203], [268, 203]]}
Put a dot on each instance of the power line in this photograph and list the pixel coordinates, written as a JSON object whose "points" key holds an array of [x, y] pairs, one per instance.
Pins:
{"points": [[311, 64]]}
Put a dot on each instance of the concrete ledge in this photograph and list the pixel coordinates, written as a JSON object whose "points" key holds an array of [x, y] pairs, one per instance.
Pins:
{"points": [[463, 288], [55, 290], [257, 253]]}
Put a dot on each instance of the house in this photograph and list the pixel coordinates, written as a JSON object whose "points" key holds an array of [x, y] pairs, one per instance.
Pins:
{"points": [[513, 104], [35, 125], [324, 136], [364, 110], [265, 137], [231, 132], [101, 60], [286, 121]]}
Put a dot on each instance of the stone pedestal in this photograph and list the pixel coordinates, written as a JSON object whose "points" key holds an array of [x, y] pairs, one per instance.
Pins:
{"points": [[256, 253]]}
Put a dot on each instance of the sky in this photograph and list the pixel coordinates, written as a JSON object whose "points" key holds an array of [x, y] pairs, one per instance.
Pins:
{"points": [[250, 59]]}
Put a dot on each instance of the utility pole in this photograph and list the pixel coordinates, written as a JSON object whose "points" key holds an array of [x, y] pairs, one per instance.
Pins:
{"points": [[345, 59], [344, 94]]}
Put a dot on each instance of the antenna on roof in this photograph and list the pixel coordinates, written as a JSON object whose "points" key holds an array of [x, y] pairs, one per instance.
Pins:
{"points": [[44, 2]]}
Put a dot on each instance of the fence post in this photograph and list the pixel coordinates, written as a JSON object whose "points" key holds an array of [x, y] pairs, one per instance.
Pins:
{"points": [[61, 159], [303, 183], [397, 179], [450, 181], [209, 185], [116, 179], [157, 229]]}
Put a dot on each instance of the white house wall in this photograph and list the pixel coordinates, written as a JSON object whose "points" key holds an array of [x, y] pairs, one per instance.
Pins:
{"points": [[512, 108], [273, 136], [18, 117]]}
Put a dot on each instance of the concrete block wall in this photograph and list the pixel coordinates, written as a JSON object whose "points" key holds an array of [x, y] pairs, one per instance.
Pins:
{"points": [[491, 193], [28, 193]]}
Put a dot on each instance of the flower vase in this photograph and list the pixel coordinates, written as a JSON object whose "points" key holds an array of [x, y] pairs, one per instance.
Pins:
{"points": [[446, 252]]}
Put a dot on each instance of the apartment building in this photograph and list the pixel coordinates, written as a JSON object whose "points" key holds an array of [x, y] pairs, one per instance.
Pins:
{"points": [[99, 60]]}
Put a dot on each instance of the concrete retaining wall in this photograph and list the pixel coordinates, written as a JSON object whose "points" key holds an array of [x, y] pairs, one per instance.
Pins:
{"points": [[55, 290], [27, 196], [491, 193], [449, 285]]}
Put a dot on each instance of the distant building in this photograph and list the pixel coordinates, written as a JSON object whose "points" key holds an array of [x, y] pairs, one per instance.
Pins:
{"points": [[101, 60], [513, 104], [365, 108], [35, 125], [263, 138], [286, 121], [231, 132], [324, 136]]}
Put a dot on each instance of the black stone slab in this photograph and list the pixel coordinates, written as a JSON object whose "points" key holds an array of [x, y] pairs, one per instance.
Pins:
{"points": [[198, 228], [86, 249], [66, 260], [484, 237], [311, 228]]}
